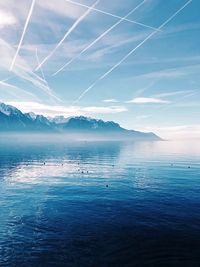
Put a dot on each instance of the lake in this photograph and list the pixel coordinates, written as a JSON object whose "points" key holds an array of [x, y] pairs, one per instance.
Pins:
{"points": [[99, 204]]}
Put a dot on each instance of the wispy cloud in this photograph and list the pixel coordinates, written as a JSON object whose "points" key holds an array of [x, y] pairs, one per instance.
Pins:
{"points": [[22, 69], [181, 28], [54, 110], [112, 100], [175, 93], [147, 100], [62, 8], [73, 27], [170, 73], [99, 38], [114, 16], [15, 90], [113, 43], [171, 59], [131, 52], [6, 19]]}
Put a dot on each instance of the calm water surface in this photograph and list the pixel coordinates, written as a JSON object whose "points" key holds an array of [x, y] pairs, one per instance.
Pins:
{"points": [[99, 204]]}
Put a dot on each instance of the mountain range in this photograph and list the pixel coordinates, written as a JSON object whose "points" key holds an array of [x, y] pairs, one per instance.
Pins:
{"points": [[12, 120]]}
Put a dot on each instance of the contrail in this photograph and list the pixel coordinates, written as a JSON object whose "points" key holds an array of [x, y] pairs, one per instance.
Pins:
{"points": [[49, 90], [132, 51], [23, 33], [7, 79], [33, 78], [32, 73], [99, 38], [112, 15], [41, 70], [76, 23], [5, 84]]}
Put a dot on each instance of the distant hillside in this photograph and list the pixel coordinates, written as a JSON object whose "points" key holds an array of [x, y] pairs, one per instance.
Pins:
{"points": [[13, 120]]}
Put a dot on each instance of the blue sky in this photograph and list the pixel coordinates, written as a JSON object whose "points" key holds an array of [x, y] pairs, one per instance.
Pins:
{"points": [[155, 89]]}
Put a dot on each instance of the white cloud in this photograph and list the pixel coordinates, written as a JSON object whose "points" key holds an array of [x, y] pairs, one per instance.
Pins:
{"points": [[186, 92], [110, 100], [6, 18], [62, 8], [148, 100], [48, 110], [104, 110]]}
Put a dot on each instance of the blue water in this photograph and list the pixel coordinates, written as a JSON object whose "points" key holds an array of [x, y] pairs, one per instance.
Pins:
{"points": [[99, 204]]}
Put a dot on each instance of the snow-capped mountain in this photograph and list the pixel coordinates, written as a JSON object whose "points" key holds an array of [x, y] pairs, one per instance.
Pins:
{"points": [[85, 123], [13, 120], [9, 110], [58, 119], [31, 115]]}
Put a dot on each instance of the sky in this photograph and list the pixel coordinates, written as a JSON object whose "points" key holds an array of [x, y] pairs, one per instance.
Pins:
{"points": [[134, 62]]}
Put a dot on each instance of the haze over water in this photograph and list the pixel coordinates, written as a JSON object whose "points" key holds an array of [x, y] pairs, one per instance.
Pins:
{"points": [[99, 204]]}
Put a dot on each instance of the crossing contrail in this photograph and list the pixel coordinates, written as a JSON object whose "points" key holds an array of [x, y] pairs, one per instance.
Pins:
{"points": [[29, 76], [41, 70], [23, 34], [49, 90], [5, 84], [99, 38], [132, 51], [37, 77], [76, 23], [112, 15]]}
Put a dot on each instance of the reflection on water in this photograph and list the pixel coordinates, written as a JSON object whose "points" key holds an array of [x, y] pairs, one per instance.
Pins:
{"points": [[99, 204]]}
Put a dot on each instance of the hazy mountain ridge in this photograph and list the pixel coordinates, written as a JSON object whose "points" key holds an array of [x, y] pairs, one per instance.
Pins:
{"points": [[13, 120]]}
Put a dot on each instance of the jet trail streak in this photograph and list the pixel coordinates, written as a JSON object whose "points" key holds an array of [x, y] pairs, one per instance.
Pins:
{"points": [[23, 34], [99, 38], [49, 90], [113, 15], [132, 51], [41, 70], [76, 23]]}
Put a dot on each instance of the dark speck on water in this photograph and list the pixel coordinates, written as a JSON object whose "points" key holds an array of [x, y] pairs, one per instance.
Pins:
{"points": [[51, 217]]}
